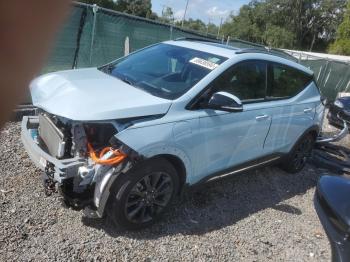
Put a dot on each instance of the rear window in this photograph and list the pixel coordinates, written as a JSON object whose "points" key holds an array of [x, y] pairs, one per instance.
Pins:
{"points": [[285, 81]]}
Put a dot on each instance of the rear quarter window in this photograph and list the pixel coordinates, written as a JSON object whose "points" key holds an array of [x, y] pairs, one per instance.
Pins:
{"points": [[284, 81]]}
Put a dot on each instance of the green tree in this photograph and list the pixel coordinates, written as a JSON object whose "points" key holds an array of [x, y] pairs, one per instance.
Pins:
{"points": [[197, 25], [311, 21], [276, 36], [109, 4], [212, 29], [142, 8], [342, 44], [300, 24], [167, 15], [249, 24]]}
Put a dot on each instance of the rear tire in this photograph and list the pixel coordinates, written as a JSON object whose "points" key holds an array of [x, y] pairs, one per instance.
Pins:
{"points": [[301, 152], [143, 194]]}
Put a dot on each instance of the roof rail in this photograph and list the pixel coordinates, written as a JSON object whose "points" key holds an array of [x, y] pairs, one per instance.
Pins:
{"points": [[198, 39], [266, 50], [259, 49]]}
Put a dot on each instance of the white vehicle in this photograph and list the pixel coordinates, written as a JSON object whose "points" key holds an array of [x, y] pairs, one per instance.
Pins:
{"points": [[126, 138]]}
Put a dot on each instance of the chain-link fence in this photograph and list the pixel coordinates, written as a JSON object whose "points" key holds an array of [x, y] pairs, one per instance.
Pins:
{"points": [[94, 36]]}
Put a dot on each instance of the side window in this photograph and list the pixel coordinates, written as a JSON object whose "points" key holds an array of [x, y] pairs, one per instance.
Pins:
{"points": [[246, 80], [285, 81]]}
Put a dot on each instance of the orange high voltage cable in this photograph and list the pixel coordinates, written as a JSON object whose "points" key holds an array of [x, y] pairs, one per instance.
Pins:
{"points": [[116, 159]]}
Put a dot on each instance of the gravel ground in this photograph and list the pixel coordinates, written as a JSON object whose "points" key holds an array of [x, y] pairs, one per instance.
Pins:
{"points": [[259, 216]]}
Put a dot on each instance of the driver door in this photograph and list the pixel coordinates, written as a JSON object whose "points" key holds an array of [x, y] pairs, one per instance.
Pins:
{"points": [[232, 138]]}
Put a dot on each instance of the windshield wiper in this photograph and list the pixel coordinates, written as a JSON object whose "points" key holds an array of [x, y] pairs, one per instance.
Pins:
{"points": [[127, 81], [124, 78], [107, 69]]}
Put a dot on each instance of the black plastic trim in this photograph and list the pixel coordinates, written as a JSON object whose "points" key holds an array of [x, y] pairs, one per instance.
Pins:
{"points": [[198, 39], [268, 51], [241, 168]]}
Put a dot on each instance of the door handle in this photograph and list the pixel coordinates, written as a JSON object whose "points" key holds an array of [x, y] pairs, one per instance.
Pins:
{"points": [[308, 110], [261, 117]]}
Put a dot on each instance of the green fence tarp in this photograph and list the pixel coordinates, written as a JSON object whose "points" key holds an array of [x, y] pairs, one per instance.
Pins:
{"points": [[332, 76], [102, 37]]}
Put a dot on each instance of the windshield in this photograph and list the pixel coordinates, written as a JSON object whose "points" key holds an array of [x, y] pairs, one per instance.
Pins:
{"points": [[164, 70]]}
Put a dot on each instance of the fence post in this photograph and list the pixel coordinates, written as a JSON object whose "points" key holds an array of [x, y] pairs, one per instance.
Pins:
{"points": [[323, 76], [126, 46], [228, 40], [94, 10], [171, 32], [80, 31]]}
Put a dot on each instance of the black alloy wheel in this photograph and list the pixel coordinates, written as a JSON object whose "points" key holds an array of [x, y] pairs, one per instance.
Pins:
{"points": [[149, 197], [140, 196], [301, 152]]}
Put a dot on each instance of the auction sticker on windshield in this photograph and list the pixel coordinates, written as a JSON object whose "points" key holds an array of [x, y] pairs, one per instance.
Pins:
{"points": [[204, 63]]}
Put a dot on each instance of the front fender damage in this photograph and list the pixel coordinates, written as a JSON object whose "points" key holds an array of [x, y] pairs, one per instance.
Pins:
{"points": [[79, 160], [105, 181], [89, 184], [90, 189]]}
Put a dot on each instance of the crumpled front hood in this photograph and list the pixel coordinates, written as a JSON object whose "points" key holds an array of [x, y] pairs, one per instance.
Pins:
{"points": [[91, 95]]}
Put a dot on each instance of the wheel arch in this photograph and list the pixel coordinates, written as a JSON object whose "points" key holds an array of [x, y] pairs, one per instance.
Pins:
{"points": [[105, 194], [179, 167], [313, 130]]}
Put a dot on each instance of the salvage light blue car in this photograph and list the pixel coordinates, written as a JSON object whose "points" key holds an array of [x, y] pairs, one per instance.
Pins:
{"points": [[126, 138]]}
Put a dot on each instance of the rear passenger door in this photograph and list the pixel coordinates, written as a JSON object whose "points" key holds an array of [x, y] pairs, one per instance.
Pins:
{"points": [[291, 109]]}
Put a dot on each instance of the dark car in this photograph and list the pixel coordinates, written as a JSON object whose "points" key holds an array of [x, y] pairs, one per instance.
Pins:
{"points": [[339, 110], [333, 208]]}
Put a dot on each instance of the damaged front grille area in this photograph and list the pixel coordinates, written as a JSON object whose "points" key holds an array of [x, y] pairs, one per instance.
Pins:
{"points": [[63, 138], [80, 156], [76, 174], [53, 138]]}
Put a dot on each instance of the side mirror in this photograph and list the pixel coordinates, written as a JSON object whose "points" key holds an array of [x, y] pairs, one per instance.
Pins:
{"points": [[225, 102]]}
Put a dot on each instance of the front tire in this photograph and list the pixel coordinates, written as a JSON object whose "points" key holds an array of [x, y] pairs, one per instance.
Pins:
{"points": [[143, 194], [301, 152]]}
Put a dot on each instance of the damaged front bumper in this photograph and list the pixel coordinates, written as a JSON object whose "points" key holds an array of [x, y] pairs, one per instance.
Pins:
{"points": [[80, 183], [61, 169]]}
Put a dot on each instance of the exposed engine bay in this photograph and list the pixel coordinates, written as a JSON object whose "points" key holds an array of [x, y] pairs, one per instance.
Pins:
{"points": [[65, 139], [91, 152]]}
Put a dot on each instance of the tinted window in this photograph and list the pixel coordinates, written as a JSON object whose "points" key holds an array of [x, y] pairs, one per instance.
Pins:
{"points": [[246, 80], [167, 71], [285, 81]]}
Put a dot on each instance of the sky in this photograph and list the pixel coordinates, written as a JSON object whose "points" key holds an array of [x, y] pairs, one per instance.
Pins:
{"points": [[202, 9]]}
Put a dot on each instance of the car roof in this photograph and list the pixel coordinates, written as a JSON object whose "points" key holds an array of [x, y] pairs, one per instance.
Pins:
{"points": [[228, 51], [209, 47]]}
